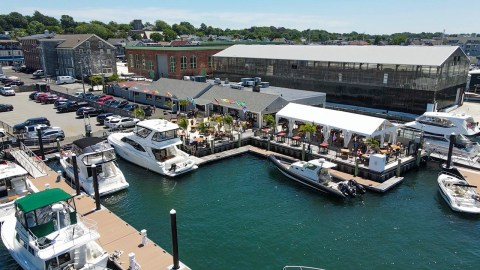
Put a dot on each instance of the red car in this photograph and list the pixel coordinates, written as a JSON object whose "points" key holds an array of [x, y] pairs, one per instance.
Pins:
{"points": [[51, 98], [41, 96], [102, 99]]}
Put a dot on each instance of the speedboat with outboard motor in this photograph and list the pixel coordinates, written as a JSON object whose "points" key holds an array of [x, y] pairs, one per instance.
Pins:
{"points": [[457, 192], [315, 174]]}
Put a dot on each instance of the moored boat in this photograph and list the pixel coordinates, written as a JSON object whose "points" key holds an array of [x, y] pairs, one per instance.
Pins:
{"points": [[13, 185], [457, 192], [153, 145], [46, 233], [315, 175], [89, 151]]}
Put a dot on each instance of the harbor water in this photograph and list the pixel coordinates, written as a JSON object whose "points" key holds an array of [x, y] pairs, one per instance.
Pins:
{"points": [[241, 213]]}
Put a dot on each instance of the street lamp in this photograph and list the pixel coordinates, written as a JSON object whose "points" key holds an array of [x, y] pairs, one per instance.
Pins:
{"points": [[83, 80]]}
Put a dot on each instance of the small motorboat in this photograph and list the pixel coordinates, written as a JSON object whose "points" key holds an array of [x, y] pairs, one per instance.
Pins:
{"points": [[315, 174], [457, 192]]}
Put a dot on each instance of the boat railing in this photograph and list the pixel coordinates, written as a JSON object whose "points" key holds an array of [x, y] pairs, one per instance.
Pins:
{"points": [[298, 267], [87, 266], [36, 161]]}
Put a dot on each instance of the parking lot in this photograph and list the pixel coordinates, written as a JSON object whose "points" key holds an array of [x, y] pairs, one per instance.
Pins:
{"points": [[25, 108]]}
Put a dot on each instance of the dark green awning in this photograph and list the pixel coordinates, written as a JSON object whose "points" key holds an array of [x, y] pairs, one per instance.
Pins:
{"points": [[41, 199]]}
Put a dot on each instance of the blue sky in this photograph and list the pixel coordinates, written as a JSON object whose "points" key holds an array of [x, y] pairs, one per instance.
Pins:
{"points": [[341, 16]]}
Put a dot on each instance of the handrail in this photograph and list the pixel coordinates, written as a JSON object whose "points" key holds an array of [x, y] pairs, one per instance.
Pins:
{"points": [[30, 155], [300, 267]]}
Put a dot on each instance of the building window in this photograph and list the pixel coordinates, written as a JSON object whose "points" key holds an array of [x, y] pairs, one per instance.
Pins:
{"points": [[89, 51], [137, 61], [80, 51], [149, 97], [150, 65], [108, 51], [131, 60], [193, 62], [183, 62], [172, 64], [87, 44], [100, 44], [101, 51], [210, 61], [144, 64]]}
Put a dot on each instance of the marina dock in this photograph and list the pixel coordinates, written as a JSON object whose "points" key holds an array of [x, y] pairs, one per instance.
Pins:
{"points": [[472, 176], [116, 236]]}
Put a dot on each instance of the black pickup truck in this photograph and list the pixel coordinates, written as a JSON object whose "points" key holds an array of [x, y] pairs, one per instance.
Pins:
{"points": [[71, 106]]}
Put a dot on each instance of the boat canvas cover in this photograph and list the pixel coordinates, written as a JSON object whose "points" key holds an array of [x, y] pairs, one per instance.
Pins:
{"points": [[41, 199], [87, 142]]}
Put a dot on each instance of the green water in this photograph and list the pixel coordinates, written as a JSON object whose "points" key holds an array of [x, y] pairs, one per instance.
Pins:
{"points": [[241, 213]]}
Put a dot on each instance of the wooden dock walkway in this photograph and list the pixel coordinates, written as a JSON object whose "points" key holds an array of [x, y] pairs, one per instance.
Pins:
{"points": [[472, 176], [115, 233]]}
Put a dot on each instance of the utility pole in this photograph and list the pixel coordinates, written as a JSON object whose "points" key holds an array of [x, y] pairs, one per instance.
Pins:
{"points": [[83, 80]]}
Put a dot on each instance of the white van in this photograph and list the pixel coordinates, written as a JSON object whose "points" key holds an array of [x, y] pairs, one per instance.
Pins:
{"points": [[65, 79]]}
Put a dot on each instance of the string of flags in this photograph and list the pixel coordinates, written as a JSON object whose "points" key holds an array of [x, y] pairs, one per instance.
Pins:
{"points": [[231, 101]]}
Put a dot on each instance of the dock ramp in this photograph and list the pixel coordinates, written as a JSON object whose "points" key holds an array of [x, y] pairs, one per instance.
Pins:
{"points": [[29, 161]]}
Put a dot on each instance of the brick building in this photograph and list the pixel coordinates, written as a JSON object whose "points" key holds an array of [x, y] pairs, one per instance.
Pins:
{"points": [[171, 62]]}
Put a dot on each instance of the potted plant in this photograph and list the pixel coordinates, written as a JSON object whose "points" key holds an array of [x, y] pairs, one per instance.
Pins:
{"points": [[308, 129], [269, 121], [372, 143]]}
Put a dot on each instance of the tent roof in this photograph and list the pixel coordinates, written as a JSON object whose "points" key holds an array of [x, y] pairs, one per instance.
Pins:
{"points": [[357, 123], [395, 55], [41, 199]]}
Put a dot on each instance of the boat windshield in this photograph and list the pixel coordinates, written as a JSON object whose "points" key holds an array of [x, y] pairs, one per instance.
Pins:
{"points": [[310, 166], [99, 157], [165, 135], [142, 131], [435, 121]]}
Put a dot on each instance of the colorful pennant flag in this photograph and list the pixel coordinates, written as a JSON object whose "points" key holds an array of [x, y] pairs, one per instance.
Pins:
{"points": [[216, 101]]}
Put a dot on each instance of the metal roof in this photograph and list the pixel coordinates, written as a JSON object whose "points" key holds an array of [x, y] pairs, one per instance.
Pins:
{"points": [[176, 89], [228, 97], [397, 55]]}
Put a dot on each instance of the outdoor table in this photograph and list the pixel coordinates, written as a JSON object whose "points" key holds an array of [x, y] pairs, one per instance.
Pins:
{"points": [[296, 139], [281, 137], [345, 152], [383, 151], [323, 148], [265, 132]]}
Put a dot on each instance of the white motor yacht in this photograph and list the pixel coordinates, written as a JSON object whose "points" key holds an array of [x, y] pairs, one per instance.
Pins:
{"points": [[47, 233], [153, 145], [457, 192], [442, 123], [13, 185], [461, 147], [315, 174], [89, 151]]}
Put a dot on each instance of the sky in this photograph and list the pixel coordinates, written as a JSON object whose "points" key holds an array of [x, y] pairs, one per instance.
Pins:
{"points": [[338, 16]]}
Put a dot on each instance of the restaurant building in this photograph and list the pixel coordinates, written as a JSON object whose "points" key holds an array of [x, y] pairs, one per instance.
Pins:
{"points": [[411, 79]]}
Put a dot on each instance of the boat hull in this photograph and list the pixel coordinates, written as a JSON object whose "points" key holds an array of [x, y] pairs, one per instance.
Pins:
{"points": [[470, 207], [142, 159], [304, 181]]}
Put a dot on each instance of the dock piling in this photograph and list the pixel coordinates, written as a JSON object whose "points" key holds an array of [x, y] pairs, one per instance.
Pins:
{"points": [[40, 143], [144, 237], [239, 139], [212, 146], [75, 174], [95, 187], [303, 151], [419, 157], [58, 145], [356, 167], [173, 221], [450, 150], [399, 167]]}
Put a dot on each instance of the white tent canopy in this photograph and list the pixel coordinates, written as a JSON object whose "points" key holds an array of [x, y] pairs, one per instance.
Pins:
{"points": [[349, 123]]}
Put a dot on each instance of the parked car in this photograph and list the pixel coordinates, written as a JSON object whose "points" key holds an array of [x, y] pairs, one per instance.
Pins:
{"points": [[108, 102], [15, 82], [38, 73], [110, 118], [49, 134], [122, 122], [104, 98], [85, 96], [41, 96], [36, 95], [31, 96], [71, 106], [31, 121], [118, 103], [101, 117], [6, 107], [6, 80], [19, 68], [7, 91], [78, 93], [30, 131], [59, 102], [90, 111], [130, 107], [51, 98], [148, 110]]}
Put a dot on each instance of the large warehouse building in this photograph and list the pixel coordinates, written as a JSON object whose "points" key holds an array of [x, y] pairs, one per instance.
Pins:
{"points": [[399, 78]]}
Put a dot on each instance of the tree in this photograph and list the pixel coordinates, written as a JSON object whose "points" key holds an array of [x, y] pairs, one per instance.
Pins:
{"points": [[139, 113], [156, 37], [183, 124], [94, 28], [67, 23], [113, 78], [203, 28], [136, 36], [372, 143], [228, 120], [269, 121], [15, 20], [309, 129], [46, 20], [161, 25], [169, 35], [96, 80], [183, 104], [35, 27]]}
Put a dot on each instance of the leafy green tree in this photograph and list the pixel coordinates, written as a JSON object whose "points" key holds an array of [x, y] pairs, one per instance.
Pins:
{"points": [[67, 23], [180, 29], [308, 129], [183, 123], [55, 29], [228, 120], [139, 113], [45, 20], [156, 37], [113, 78], [203, 28], [161, 25], [169, 35], [35, 27], [96, 80], [136, 36], [183, 104], [94, 28], [15, 20]]}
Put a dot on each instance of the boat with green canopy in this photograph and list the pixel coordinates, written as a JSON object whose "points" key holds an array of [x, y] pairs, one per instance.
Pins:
{"points": [[47, 233]]}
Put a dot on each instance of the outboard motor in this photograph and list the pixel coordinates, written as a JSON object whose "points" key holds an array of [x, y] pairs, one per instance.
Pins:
{"points": [[347, 190], [361, 189], [344, 189]]}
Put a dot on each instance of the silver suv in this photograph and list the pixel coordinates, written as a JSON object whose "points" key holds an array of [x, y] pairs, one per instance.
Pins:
{"points": [[50, 134]]}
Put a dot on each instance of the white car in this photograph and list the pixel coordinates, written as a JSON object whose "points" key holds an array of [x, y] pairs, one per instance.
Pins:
{"points": [[7, 91], [109, 118], [122, 122]]}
